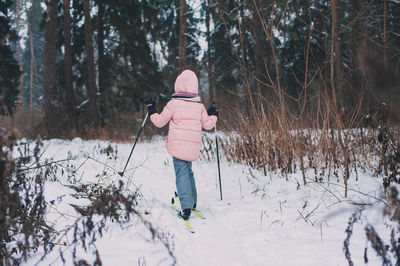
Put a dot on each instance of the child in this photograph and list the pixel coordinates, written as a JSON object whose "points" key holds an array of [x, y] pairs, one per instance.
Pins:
{"points": [[186, 116]]}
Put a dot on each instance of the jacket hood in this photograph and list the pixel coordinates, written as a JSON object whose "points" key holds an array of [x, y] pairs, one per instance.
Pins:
{"points": [[187, 83]]}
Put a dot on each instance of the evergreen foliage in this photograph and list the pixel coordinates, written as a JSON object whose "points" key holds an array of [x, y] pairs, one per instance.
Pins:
{"points": [[9, 70], [168, 37]]}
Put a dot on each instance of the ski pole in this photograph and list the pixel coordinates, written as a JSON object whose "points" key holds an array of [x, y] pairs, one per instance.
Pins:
{"points": [[219, 169], [137, 137]]}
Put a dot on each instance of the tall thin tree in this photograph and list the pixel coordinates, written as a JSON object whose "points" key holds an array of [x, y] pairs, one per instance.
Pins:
{"points": [[33, 68], [19, 48], [49, 71], [91, 71], [101, 63], [182, 35], [69, 103], [208, 19]]}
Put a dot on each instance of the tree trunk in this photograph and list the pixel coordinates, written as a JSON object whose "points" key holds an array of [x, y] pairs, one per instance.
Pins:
{"points": [[69, 103], [49, 68], [32, 64], [91, 74], [337, 84], [182, 35], [385, 35], [337, 79], [33, 71], [19, 48], [101, 65], [211, 85], [333, 58]]}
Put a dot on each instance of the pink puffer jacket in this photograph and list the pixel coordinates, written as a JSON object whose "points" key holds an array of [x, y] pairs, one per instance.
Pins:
{"points": [[187, 116]]}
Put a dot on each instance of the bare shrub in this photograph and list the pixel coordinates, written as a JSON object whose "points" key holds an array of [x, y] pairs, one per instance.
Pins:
{"points": [[23, 208], [109, 205], [288, 149], [23, 228], [386, 145]]}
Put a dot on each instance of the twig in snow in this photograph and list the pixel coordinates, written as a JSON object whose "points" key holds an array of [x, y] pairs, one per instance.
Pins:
{"points": [[40, 156], [261, 217], [320, 227], [63, 214], [313, 210], [240, 186], [302, 217], [97, 161], [276, 221], [123, 228], [44, 165], [362, 193], [326, 189]]}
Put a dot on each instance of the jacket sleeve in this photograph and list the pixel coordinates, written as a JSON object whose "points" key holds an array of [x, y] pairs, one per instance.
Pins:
{"points": [[160, 120], [207, 122]]}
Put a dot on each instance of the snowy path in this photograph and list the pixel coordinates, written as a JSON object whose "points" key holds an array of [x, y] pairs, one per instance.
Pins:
{"points": [[261, 220]]}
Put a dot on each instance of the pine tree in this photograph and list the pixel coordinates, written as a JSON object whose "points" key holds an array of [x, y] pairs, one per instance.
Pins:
{"points": [[222, 44], [170, 42], [9, 69], [128, 60]]}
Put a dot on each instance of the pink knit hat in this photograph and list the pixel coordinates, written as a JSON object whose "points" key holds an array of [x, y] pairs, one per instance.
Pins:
{"points": [[187, 84]]}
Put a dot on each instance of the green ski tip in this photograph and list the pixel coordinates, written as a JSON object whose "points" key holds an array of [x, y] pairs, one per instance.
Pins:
{"points": [[189, 226], [198, 214]]}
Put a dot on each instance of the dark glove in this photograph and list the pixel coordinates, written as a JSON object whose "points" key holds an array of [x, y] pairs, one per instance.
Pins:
{"points": [[213, 110], [151, 106]]}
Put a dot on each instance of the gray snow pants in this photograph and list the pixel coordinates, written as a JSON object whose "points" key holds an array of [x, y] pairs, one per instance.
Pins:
{"points": [[185, 183]]}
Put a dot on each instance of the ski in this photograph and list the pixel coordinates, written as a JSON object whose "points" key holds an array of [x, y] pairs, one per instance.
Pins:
{"points": [[174, 205], [186, 222], [196, 212], [189, 226]]}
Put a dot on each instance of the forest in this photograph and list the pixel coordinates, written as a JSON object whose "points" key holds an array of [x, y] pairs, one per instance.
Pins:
{"points": [[307, 91], [85, 67]]}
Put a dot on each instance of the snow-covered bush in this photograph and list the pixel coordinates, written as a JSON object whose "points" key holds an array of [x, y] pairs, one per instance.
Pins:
{"points": [[26, 226]]}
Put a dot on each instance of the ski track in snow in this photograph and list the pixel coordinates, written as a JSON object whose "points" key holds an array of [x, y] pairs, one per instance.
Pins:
{"points": [[256, 223]]}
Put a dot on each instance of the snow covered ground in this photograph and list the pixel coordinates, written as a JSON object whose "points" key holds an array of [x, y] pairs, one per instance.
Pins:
{"points": [[262, 220]]}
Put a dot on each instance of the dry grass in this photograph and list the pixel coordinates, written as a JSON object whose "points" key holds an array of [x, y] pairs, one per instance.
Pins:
{"points": [[320, 153]]}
